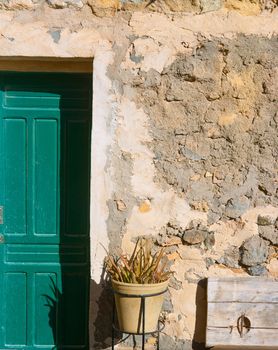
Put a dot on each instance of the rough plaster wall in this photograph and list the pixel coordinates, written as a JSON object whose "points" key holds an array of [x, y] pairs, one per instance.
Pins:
{"points": [[205, 172], [184, 138]]}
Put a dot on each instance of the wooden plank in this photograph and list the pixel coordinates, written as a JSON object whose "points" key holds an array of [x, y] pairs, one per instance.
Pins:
{"points": [[255, 337], [47, 65], [230, 298], [260, 315], [250, 289]]}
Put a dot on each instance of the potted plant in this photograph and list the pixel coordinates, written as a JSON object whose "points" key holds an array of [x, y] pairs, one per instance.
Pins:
{"points": [[141, 273]]}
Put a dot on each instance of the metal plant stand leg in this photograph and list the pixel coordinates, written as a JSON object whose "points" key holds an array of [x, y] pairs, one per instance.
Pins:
{"points": [[143, 318], [158, 336], [113, 323], [160, 324]]}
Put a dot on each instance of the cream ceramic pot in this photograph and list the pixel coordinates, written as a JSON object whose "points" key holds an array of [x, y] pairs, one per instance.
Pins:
{"points": [[128, 309]]}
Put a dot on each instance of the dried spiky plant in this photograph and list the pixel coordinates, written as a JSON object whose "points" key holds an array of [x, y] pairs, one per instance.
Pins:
{"points": [[140, 267]]}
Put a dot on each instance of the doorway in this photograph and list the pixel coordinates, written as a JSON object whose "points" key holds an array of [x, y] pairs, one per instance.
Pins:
{"points": [[45, 128]]}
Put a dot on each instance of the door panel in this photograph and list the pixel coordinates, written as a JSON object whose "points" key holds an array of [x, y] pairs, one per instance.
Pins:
{"points": [[15, 286], [15, 171], [46, 178], [75, 187], [45, 122]]}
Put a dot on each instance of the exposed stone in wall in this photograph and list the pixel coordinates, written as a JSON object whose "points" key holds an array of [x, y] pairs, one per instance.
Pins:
{"points": [[230, 258], [254, 251], [170, 343], [212, 118], [269, 230], [244, 7], [30, 4], [222, 154], [257, 270], [60, 4], [104, 8], [201, 162], [16, 4], [265, 220]]}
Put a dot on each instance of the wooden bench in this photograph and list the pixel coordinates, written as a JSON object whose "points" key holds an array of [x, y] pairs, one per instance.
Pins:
{"points": [[242, 313]]}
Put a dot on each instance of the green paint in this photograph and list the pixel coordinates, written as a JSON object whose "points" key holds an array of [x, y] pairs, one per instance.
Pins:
{"points": [[45, 122]]}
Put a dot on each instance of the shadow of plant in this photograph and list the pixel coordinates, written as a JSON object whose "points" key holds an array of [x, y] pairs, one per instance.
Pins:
{"points": [[52, 302]]}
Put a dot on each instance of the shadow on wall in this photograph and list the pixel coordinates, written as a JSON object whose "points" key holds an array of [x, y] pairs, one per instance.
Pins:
{"points": [[102, 301], [201, 316], [101, 314]]}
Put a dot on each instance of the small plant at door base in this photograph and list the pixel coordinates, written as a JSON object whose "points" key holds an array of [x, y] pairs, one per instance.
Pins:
{"points": [[141, 267]]}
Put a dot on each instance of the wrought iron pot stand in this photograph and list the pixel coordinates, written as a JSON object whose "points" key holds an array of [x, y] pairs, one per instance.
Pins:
{"points": [[142, 316]]}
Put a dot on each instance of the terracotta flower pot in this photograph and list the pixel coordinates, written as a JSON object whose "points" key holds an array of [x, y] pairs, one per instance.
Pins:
{"points": [[129, 309]]}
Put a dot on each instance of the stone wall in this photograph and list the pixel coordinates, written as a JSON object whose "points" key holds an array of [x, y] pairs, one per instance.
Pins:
{"points": [[185, 142]]}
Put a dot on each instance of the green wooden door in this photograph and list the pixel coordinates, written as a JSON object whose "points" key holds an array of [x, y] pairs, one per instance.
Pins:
{"points": [[45, 122]]}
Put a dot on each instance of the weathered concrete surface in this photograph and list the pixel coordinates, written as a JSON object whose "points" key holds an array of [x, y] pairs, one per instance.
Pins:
{"points": [[184, 139]]}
